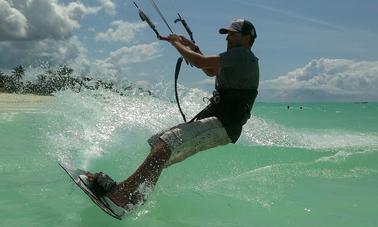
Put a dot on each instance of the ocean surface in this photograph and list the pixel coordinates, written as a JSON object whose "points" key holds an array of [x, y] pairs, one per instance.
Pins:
{"points": [[296, 164]]}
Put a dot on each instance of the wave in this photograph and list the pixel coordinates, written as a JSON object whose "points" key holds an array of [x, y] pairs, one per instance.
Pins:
{"points": [[100, 129], [265, 132], [91, 120]]}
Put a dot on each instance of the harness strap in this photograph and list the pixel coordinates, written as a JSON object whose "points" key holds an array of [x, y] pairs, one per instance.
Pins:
{"points": [[213, 101], [177, 72], [222, 101]]}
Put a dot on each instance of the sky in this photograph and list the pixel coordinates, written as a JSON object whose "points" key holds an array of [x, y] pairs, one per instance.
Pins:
{"points": [[308, 50]]}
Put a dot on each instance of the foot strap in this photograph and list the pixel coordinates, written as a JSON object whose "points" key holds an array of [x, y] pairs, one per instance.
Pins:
{"points": [[102, 184], [86, 183]]}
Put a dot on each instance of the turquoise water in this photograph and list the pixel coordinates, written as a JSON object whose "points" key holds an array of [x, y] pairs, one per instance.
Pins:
{"points": [[309, 165]]}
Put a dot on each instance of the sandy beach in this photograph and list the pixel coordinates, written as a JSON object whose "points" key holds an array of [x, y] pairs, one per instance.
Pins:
{"points": [[7, 98]]}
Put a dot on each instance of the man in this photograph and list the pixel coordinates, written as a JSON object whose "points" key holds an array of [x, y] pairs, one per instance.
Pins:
{"points": [[220, 123]]}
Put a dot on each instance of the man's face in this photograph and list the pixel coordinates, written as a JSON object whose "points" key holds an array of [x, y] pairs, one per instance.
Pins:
{"points": [[234, 39]]}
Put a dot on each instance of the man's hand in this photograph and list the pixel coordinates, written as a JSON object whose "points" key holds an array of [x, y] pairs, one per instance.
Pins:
{"points": [[209, 64], [184, 41], [188, 43], [173, 38]]}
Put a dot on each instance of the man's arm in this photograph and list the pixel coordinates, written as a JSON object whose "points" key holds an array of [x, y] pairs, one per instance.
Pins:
{"points": [[209, 71], [209, 64]]}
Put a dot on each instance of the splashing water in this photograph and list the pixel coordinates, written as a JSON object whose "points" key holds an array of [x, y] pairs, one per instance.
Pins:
{"points": [[314, 166]]}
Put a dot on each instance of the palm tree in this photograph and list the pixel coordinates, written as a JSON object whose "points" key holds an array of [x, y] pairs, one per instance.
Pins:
{"points": [[2, 81], [18, 72]]}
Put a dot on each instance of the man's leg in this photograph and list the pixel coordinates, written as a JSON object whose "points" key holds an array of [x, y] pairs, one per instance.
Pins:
{"points": [[184, 141], [148, 173]]}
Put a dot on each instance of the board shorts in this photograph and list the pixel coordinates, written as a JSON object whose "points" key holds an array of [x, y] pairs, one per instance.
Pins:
{"points": [[186, 139]]}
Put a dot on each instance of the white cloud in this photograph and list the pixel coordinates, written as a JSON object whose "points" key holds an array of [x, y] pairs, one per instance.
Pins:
{"points": [[134, 54], [121, 31], [118, 63], [40, 19], [35, 52], [77, 10], [35, 31], [13, 24], [325, 79], [109, 6]]}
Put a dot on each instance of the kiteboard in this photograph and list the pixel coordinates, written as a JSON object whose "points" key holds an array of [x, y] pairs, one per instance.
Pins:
{"points": [[80, 177]]}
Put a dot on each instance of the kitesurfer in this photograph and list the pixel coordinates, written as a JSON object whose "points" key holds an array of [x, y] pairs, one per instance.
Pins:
{"points": [[236, 83]]}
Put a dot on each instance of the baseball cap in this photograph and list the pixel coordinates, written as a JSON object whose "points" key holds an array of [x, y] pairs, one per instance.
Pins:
{"points": [[240, 25]]}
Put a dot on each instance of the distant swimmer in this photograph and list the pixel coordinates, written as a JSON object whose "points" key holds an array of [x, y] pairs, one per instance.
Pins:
{"points": [[236, 74]]}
